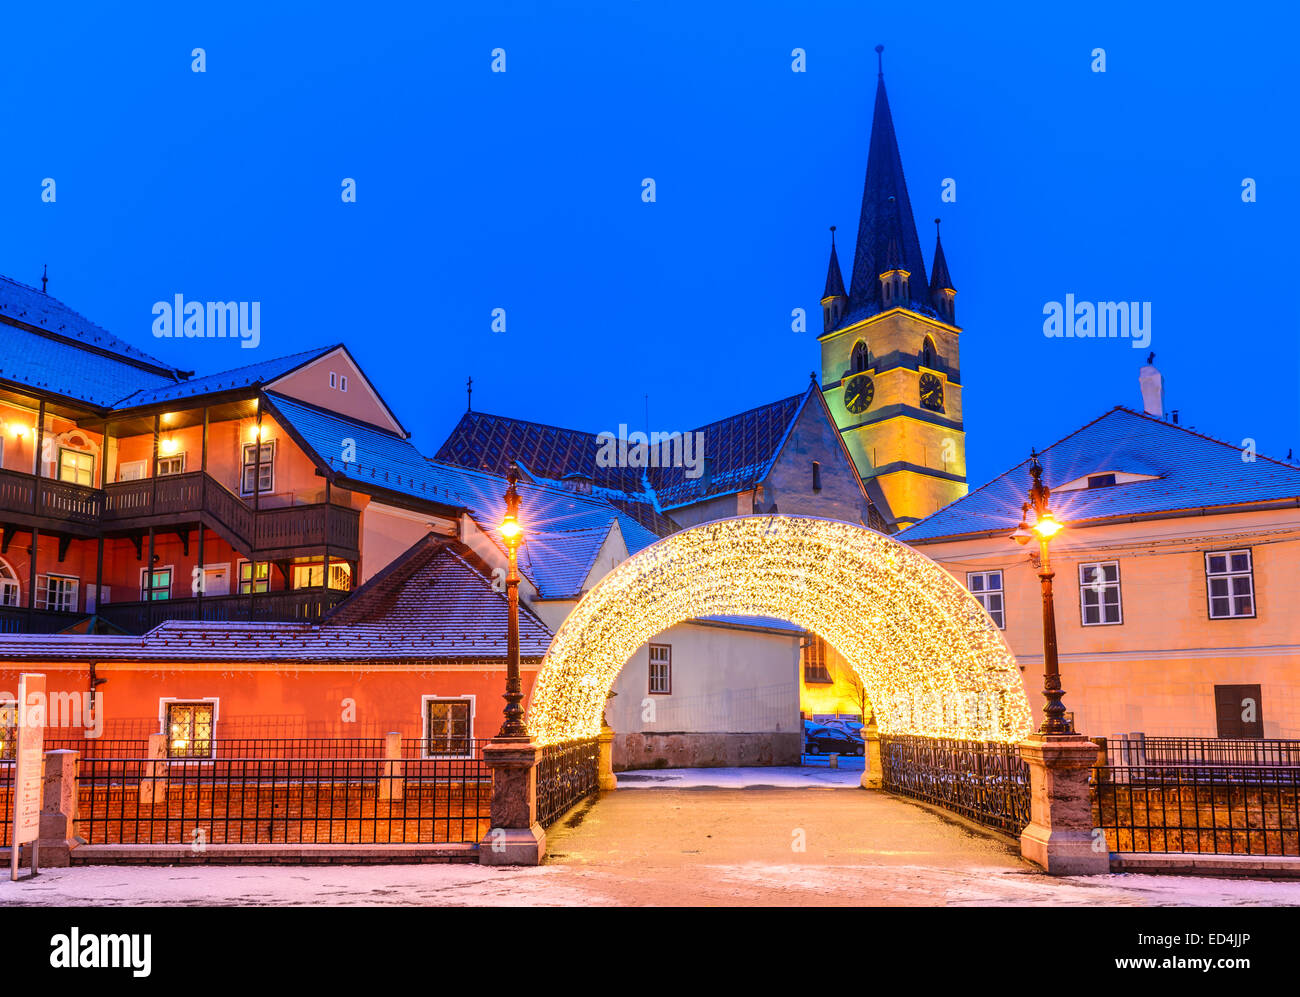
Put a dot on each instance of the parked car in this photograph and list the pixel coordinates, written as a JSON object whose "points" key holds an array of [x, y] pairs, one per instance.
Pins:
{"points": [[832, 740]]}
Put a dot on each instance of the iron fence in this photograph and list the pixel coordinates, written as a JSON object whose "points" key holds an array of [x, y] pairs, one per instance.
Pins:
{"points": [[340, 793], [1203, 751], [984, 781], [1191, 806], [6, 803], [566, 774]]}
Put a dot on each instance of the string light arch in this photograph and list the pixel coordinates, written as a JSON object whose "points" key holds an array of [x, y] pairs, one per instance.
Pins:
{"points": [[929, 657]]}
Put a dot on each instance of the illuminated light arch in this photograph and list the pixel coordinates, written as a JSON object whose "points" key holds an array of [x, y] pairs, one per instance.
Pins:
{"points": [[930, 658]]}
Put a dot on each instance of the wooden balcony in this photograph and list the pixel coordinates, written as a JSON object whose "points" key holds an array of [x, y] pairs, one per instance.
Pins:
{"points": [[177, 500], [18, 620], [297, 605]]}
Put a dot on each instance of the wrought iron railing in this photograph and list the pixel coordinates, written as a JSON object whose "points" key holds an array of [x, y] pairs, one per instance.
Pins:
{"points": [[1178, 795], [334, 794], [566, 774], [6, 802], [984, 781]]}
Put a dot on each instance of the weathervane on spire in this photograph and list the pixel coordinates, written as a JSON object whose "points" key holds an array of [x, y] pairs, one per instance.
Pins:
{"points": [[469, 394], [880, 60], [45, 277]]}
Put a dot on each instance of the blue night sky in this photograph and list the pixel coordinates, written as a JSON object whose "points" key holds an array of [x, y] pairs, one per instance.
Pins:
{"points": [[479, 190]]}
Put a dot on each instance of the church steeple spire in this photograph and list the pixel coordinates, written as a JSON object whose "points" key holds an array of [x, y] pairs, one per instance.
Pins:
{"points": [[886, 212], [833, 298], [941, 290]]}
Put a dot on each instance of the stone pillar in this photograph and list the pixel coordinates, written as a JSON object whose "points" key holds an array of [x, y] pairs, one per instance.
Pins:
{"points": [[1060, 836], [58, 832], [515, 837], [392, 784], [871, 775], [153, 773], [606, 780]]}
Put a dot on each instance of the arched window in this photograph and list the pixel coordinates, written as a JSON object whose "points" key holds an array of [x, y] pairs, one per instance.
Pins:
{"points": [[9, 592], [929, 356], [861, 357]]}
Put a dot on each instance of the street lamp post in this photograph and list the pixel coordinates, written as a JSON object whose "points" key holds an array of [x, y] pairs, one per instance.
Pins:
{"points": [[1045, 527], [512, 533]]}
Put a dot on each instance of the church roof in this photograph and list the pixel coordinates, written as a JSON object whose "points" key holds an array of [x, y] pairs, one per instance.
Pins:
{"points": [[886, 215], [739, 449], [1185, 470]]}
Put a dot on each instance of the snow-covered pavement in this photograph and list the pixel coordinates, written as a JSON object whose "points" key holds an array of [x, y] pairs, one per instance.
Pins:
{"points": [[684, 843]]}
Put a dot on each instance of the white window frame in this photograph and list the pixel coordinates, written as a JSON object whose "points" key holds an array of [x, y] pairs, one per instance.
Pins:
{"points": [[43, 592], [1229, 575], [424, 724], [1086, 585], [247, 465], [333, 379], [145, 591], [134, 465], [343, 382], [166, 701], [668, 673], [162, 458], [980, 596]]}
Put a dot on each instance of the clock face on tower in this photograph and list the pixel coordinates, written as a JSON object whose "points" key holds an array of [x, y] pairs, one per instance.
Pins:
{"points": [[932, 392], [858, 394]]}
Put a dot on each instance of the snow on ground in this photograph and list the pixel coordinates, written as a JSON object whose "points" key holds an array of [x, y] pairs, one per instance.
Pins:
{"points": [[776, 777]]}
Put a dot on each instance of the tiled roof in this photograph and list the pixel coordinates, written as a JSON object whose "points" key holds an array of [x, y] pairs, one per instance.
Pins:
{"points": [[432, 603], [239, 377], [492, 443], [740, 450], [834, 279], [1192, 471], [36, 308], [560, 524], [65, 359]]}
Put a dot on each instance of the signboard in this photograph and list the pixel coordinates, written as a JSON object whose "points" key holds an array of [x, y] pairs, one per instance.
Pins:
{"points": [[28, 767]]}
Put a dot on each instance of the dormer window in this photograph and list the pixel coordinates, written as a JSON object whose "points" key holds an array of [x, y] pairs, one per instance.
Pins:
{"points": [[1101, 480]]}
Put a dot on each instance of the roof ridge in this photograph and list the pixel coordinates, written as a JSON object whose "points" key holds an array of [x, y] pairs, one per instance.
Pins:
{"points": [[1205, 436]]}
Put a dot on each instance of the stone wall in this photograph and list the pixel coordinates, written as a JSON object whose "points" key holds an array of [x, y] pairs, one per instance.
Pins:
{"points": [[705, 750]]}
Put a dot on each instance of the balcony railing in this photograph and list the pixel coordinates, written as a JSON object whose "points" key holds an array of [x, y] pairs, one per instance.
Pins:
{"points": [[133, 503], [303, 605]]}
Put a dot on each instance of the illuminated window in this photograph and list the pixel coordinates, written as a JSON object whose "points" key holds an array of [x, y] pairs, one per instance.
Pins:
{"points": [[447, 726], [1099, 599], [190, 729], [9, 592], [815, 671], [1230, 584], [986, 587], [57, 593], [247, 584], [265, 473], [311, 575], [661, 669], [156, 584], [76, 467]]}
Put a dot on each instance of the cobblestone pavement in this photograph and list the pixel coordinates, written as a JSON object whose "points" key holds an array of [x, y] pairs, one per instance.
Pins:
{"points": [[669, 846]]}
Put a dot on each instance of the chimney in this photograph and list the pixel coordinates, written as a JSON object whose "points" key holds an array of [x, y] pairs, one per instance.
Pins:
{"points": [[1152, 386]]}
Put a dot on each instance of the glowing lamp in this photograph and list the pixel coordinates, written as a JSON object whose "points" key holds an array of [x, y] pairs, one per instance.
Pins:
{"points": [[167, 446], [1022, 534], [1047, 526], [511, 530]]}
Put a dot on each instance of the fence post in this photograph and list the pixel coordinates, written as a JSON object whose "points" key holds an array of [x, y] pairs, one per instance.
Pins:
{"points": [[871, 774], [153, 773], [605, 778], [1060, 833], [392, 782], [515, 837], [58, 831]]}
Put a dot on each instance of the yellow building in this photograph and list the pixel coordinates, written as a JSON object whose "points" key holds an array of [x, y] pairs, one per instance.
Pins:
{"points": [[1177, 579], [891, 369]]}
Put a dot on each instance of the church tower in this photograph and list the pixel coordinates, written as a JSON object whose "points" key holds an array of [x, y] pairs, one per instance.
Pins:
{"points": [[891, 368]]}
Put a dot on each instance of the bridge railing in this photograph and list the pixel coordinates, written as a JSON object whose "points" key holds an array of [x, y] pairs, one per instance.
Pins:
{"points": [[566, 774], [983, 781]]}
